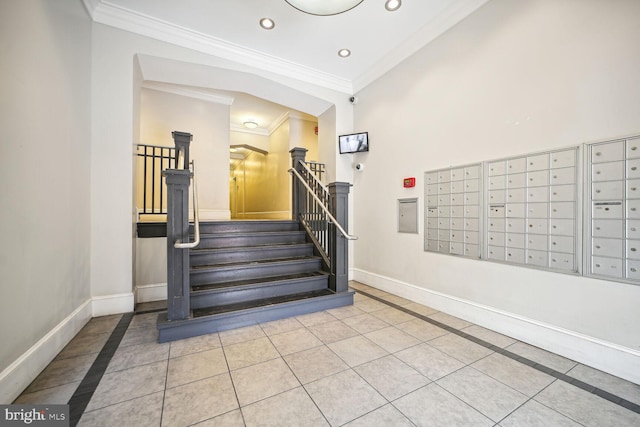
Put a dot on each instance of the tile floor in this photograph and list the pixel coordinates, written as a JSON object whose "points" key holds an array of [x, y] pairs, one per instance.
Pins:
{"points": [[369, 364]]}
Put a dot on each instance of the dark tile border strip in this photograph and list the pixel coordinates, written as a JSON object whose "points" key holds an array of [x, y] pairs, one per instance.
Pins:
{"points": [[81, 397], [542, 368]]}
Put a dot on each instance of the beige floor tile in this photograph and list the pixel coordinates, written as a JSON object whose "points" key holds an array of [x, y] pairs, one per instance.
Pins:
{"points": [[292, 408], [392, 315], [314, 364], [144, 411], [295, 341], [516, 375], [136, 355], [280, 326], [121, 386], [370, 305], [357, 285], [357, 350], [395, 299], [385, 416], [344, 397], [586, 408], [434, 407], [551, 360], [489, 336], [230, 419], [345, 312], [429, 361], [147, 320], [194, 345], [391, 377], [332, 331], [614, 385], [392, 339], [101, 325], [249, 353], [84, 344], [196, 366], [492, 398], [58, 395], [454, 322], [235, 336], [365, 323], [142, 335], [424, 331], [62, 371], [462, 349], [198, 401], [315, 318], [420, 309], [533, 414], [263, 380]]}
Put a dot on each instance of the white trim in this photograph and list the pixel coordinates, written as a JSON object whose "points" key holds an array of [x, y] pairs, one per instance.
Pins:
{"points": [[151, 292], [17, 376], [112, 304], [189, 93], [609, 357], [279, 121], [243, 129], [138, 23]]}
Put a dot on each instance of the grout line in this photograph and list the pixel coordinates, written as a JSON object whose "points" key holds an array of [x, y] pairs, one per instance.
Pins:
{"points": [[81, 397], [537, 366]]}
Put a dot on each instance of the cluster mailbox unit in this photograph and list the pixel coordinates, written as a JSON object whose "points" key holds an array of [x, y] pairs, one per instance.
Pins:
{"points": [[528, 210]]}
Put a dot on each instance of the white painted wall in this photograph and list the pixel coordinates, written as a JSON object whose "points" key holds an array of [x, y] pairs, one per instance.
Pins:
{"points": [[45, 70], [513, 78]]}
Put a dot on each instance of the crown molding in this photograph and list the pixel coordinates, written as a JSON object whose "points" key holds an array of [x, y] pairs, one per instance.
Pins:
{"points": [[256, 131], [279, 121], [443, 21], [190, 93], [106, 13]]}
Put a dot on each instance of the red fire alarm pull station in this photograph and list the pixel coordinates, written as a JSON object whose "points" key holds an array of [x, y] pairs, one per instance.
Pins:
{"points": [[409, 182]]}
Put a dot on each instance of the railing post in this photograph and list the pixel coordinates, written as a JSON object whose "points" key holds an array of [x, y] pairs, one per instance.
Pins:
{"points": [[338, 246], [297, 191], [177, 229], [182, 140]]}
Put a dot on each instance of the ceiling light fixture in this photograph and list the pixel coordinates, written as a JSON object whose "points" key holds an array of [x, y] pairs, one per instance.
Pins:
{"points": [[267, 23], [343, 53], [250, 124], [392, 5], [324, 7]]}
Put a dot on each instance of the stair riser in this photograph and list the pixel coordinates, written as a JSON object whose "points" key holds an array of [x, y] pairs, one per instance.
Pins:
{"points": [[253, 272], [171, 331], [244, 255], [203, 299], [254, 240], [247, 226]]}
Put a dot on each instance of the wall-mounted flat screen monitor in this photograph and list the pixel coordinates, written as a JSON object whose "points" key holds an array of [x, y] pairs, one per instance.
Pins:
{"points": [[354, 142]]}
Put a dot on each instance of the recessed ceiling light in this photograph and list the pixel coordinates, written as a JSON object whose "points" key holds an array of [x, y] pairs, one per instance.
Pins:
{"points": [[343, 53], [392, 5], [251, 125], [267, 23]]}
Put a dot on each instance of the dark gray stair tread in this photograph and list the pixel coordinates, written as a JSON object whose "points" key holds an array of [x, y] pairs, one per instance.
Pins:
{"points": [[197, 251], [209, 311], [257, 282], [256, 263], [231, 234]]}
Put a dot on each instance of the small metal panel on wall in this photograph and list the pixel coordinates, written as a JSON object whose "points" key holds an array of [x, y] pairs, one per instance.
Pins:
{"points": [[408, 215]]}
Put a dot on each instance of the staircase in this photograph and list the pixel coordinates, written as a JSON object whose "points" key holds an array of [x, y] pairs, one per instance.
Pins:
{"points": [[248, 272]]}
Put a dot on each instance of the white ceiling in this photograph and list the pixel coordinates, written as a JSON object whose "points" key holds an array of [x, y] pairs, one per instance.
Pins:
{"points": [[301, 46]]}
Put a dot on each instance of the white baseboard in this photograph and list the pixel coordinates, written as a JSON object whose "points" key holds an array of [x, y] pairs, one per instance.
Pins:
{"points": [[612, 358], [17, 376], [212, 214], [152, 292], [112, 304]]}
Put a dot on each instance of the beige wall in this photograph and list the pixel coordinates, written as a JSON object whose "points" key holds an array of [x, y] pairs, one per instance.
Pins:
{"points": [[513, 78], [162, 112], [45, 70]]}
